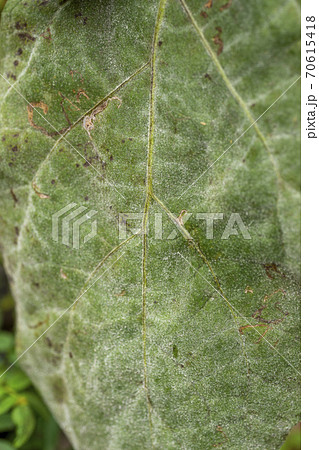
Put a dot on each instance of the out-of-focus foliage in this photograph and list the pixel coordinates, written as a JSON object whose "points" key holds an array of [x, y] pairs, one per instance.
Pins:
{"points": [[25, 421], [293, 441]]}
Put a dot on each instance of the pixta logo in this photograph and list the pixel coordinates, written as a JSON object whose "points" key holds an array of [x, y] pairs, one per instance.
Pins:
{"points": [[131, 223], [71, 224]]}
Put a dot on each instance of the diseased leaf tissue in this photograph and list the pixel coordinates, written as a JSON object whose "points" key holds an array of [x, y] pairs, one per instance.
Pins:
{"points": [[119, 107]]}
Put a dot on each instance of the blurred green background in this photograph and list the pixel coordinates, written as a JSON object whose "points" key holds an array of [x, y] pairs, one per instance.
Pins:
{"points": [[25, 421]]}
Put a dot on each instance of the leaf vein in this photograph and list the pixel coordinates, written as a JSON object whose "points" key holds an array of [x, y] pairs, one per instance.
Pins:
{"points": [[148, 197]]}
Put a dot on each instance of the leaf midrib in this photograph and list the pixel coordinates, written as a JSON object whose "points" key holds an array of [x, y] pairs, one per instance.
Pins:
{"points": [[148, 198]]}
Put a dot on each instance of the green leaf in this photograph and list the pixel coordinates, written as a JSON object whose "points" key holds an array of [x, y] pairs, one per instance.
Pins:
{"points": [[5, 445], [51, 435], [6, 423], [6, 341], [293, 441], [17, 380], [3, 390], [24, 420], [37, 404], [7, 403], [187, 336]]}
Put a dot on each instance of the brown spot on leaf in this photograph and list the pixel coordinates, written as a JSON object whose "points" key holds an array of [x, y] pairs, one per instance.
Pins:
{"points": [[121, 294], [44, 108], [226, 5], [180, 217], [72, 72], [19, 52], [79, 14], [267, 324], [220, 430], [41, 105], [209, 4], [244, 327], [69, 101], [59, 389], [204, 14], [39, 324], [39, 194], [63, 275], [47, 34], [15, 199], [272, 269], [218, 40], [26, 37], [258, 313], [11, 75], [20, 26], [16, 62], [88, 121], [79, 93]]}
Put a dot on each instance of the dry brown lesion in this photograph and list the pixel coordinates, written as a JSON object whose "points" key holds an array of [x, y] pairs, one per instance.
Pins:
{"points": [[241, 330], [272, 269], [75, 72], [37, 191], [218, 40], [47, 34], [79, 93], [180, 217], [220, 430], [88, 121], [267, 324], [40, 323], [226, 5], [45, 109]]}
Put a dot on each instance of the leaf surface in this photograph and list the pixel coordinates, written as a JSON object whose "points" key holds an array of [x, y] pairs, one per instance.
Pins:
{"points": [[175, 340]]}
